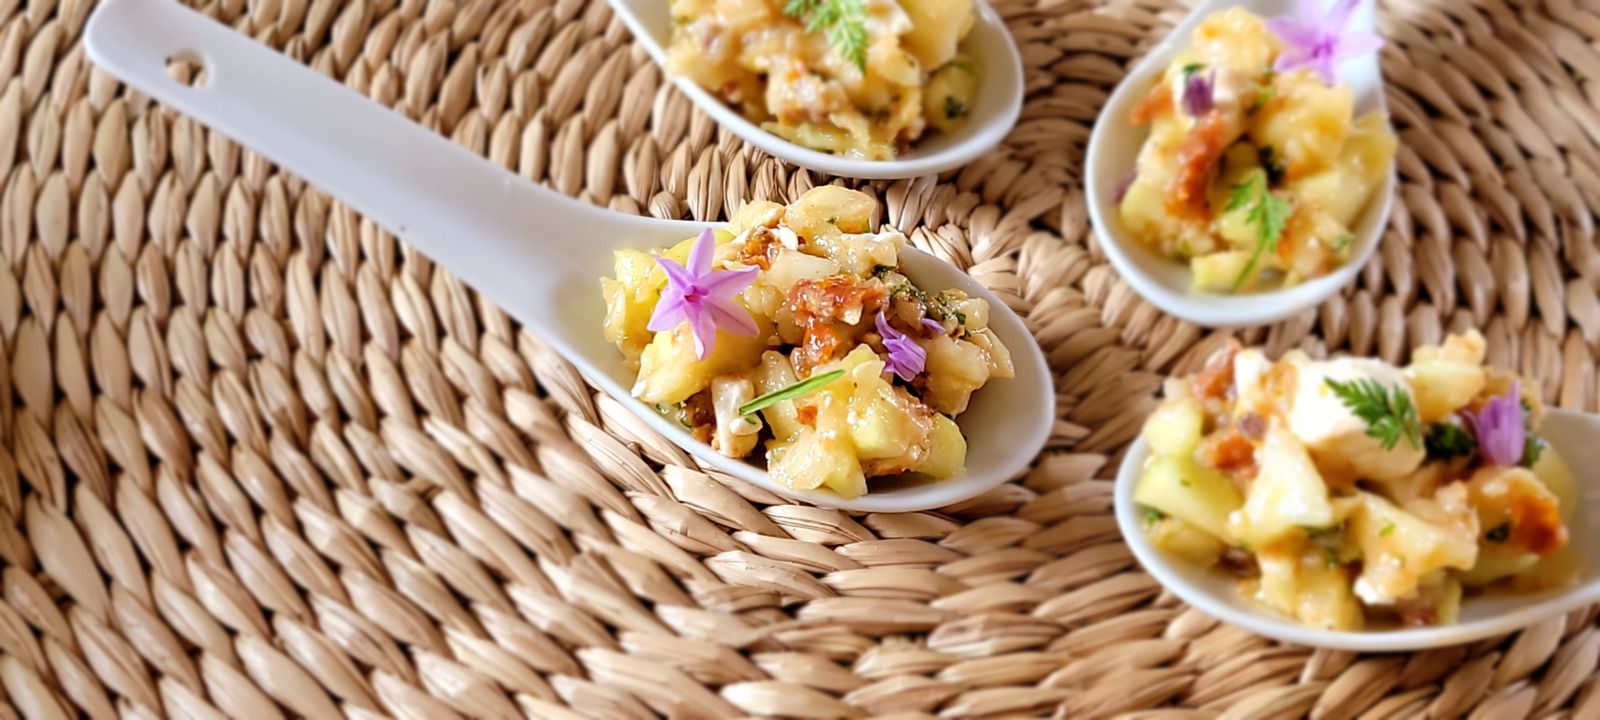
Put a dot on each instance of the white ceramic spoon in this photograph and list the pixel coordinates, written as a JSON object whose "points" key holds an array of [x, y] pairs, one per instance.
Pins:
{"points": [[992, 115], [535, 253], [1572, 434], [1114, 145]]}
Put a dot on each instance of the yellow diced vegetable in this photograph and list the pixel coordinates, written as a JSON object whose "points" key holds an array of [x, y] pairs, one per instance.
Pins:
{"points": [[936, 27], [1190, 492], [947, 450], [829, 210], [1176, 537], [1287, 494], [947, 99], [1306, 124], [1220, 271], [813, 460], [1173, 430], [955, 368], [669, 371]]}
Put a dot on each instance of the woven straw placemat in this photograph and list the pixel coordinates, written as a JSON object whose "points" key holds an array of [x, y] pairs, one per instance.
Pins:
{"points": [[259, 458]]}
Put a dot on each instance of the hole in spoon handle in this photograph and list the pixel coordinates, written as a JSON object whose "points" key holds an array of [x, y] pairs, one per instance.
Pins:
{"points": [[494, 230]]}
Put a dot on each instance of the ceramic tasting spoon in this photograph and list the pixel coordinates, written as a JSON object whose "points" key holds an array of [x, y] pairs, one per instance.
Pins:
{"points": [[535, 253], [1114, 145], [1571, 434], [992, 115]]}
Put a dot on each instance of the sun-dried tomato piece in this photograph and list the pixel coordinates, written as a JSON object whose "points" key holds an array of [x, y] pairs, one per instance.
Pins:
{"points": [[821, 307]]}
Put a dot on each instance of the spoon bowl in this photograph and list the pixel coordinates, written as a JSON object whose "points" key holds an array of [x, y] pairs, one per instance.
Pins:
{"points": [[992, 115], [1573, 435], [1114, 146], [535, 253]]}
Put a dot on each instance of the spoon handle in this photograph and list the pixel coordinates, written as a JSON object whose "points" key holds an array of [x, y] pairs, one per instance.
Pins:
{"points": [[510, 239]]}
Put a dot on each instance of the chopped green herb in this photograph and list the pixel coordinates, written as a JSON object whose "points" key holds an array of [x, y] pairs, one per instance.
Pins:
{"points": [[1192, 68], [1499, 533], [1447, 441], [1267, 212], [1389, 414], [963, 64], [1532, 450], [1342, 243], [878, 271], [1330, 558], [680, 19], [844, 21], [954, 107], [799, 389], [1244, 546], [833, 220], [1152, 516], [1183, 481], [1387, 529]]}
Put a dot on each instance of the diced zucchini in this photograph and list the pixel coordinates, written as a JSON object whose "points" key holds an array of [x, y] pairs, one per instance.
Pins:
{"points": [[1190, 492]]}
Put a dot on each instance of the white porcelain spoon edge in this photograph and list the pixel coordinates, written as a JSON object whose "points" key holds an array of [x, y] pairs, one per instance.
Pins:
{"points": [[1114, 145], [992, 114], [1571, 434], [535, 253]]}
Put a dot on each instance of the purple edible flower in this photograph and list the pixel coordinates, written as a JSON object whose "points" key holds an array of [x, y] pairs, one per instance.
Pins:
{"points": [[906, 357], [933, 325], [1198, 93], [1499, 425], [1320, 42], [1121, 190], [703, 297]]}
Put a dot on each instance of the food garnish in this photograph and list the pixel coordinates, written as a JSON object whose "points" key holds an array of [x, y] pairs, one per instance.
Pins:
{"points": [[844, 21], [1315, 481], [1388, 413], [792, 337], [703, 297], [1319, 42]]}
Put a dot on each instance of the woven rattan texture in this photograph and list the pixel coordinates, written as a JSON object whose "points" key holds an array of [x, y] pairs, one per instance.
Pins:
{"points": [[258, 458]]}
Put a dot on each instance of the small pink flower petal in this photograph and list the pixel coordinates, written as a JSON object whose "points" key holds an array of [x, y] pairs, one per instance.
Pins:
{"points": [[703, 252], [669, 313], [1339, 16], [728, 283], [732, 318], [705, 334], [1358, 44], [1292, 33], [677, 275], [1308, 11]]}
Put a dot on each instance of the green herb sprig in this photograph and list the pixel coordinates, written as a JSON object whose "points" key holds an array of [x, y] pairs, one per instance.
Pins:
{"points": [[844, 21], [799, 389], [1447, 441], [1267, 212], [1388, 412]]}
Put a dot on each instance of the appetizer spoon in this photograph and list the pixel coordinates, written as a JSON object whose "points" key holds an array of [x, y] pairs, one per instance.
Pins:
{"points": [[1214, 593], [1114, 147], [535, 253], [993, 113]]}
